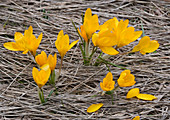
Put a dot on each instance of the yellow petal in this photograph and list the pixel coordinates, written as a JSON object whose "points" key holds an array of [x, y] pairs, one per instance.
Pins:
{"points": [[36, 43], [83, 33], [128, 35], [143, 43], [72, 44], [41, 59], [45, 67], [52, 61], [109, 76], [136, 118], [18, 36], [25, 52], [132, 93], [102, 86], [146, 97], [35, 74], [154, 45], [122, 25], [109, 50], [88, 14], [110, 24], [94, 107], [13, 46], [28, 33], [95, 37]]}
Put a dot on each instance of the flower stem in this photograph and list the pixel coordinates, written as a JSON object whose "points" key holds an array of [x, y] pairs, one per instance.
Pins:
{"points": [[60, 66], [106, 62], [52, 78], [41, 95], [98, 60]]}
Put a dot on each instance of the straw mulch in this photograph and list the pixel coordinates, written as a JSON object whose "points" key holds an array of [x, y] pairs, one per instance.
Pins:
{"points": [[78, 86]]}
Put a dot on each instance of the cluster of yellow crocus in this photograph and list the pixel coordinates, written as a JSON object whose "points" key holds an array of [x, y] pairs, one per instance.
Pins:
{"points": [[110, 36], [113, 34], [29, 43], [126, 79]]}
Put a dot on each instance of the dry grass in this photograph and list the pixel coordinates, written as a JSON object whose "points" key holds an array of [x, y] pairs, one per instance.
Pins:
{"points": [[78, 83]]}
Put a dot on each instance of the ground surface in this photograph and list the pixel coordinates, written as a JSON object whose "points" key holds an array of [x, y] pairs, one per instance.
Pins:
{"points": [[78, 86]]}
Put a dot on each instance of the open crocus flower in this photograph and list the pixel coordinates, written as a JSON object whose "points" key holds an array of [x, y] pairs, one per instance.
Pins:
{"points": [[62, 43], [104, 40], [122, 34], [135, 93], [25, 43], [90, 25], [42, 60], [146, 45], [94, 107], [108, 83], [126, 79], [40, 77]]}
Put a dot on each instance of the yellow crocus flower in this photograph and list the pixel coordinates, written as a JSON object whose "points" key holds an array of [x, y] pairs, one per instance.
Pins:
{"points": [[90, 25], [104, 40], [126, 79], [25, 43], [122, 34], [42, 59], [40, 77], [108, 83], [94, 107], [62, 43], [146, 45]]}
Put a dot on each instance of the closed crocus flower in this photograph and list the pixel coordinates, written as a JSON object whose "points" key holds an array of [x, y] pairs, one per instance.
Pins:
{"points": [[104, 40], [62, 43], [40, 77], [122, 34], [126, 79], [42, 59], [25, 43], [108, 83], [146, 45], [90, 25]]}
